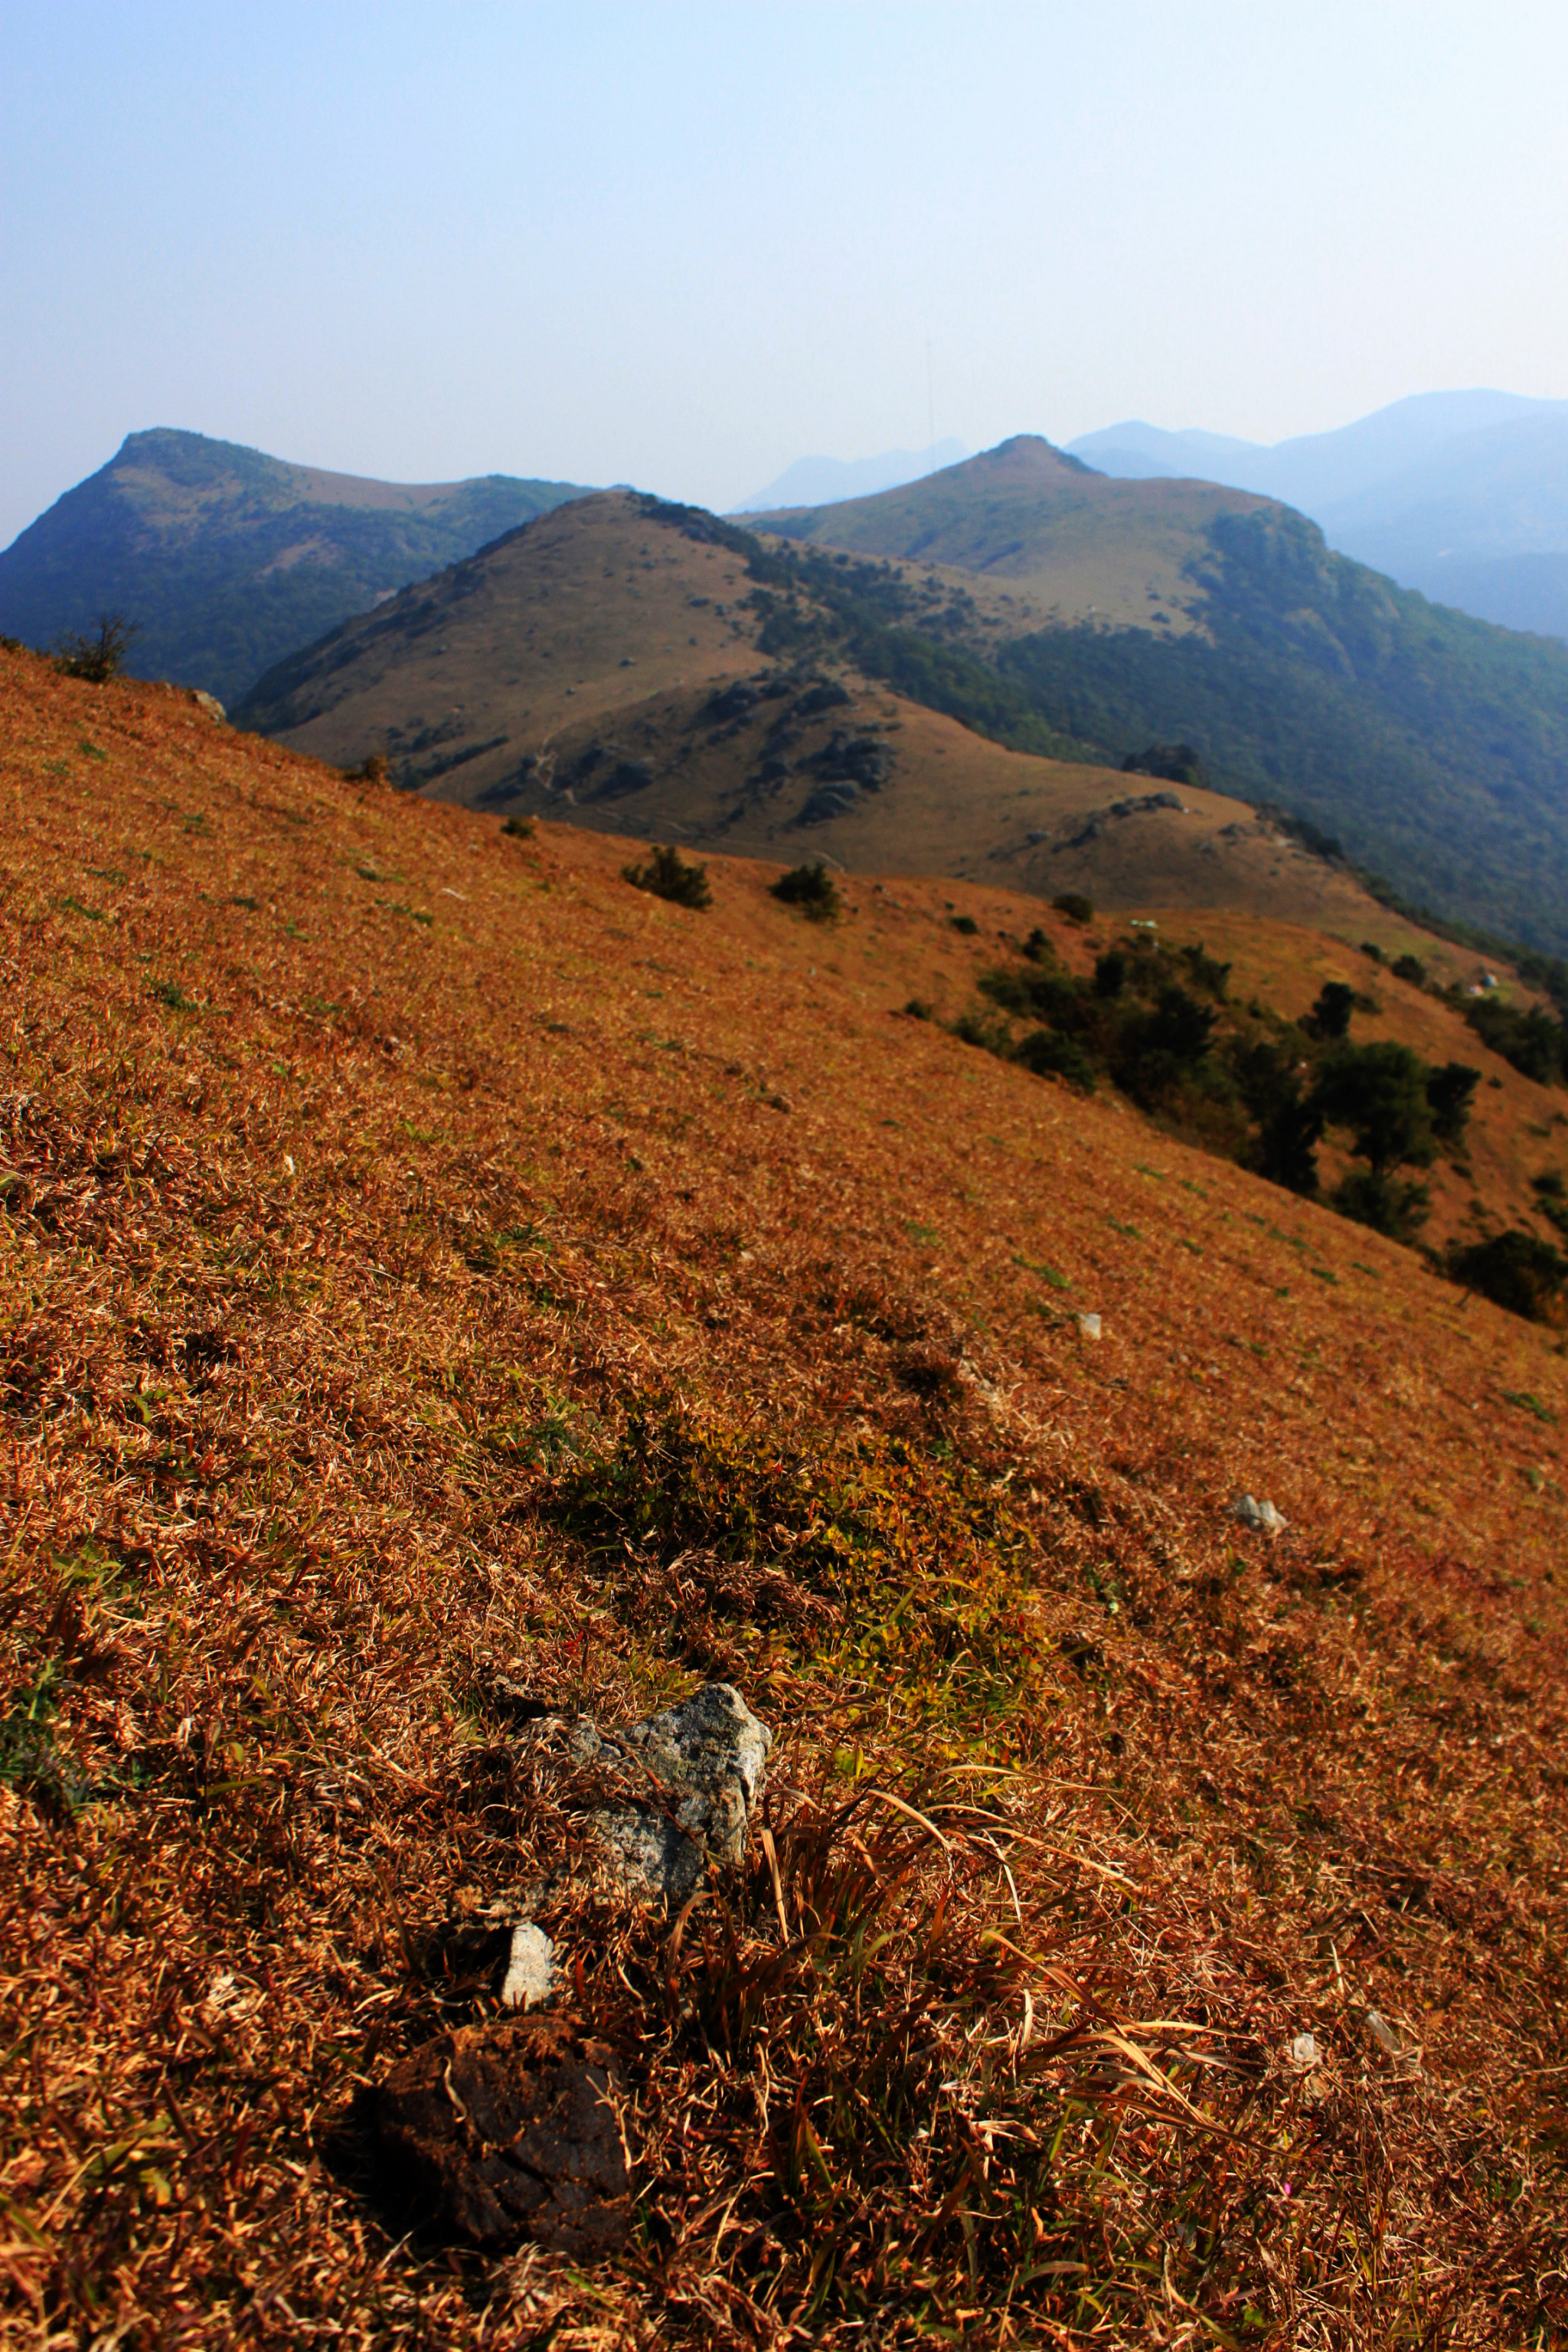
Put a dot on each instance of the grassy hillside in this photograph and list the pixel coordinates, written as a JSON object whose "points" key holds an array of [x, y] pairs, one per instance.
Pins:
{"points": [[626, 662], [432, 1265], [1433, 746], [227, 559]]}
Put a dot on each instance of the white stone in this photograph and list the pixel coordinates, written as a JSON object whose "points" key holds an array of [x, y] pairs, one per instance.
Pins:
{"points": [[531, 1971]]}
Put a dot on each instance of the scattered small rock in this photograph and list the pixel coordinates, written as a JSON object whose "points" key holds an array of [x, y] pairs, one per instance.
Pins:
{"points": [[1304, 2053], [510, 2130], [1261, 1514], [1089, 1326]]}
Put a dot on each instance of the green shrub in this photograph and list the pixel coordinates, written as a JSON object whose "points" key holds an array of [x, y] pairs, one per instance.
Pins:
{"points": [[1206, 972], [1331, 1014], [1397, 1206], [100, 658], [1515, 1270], [1074, 906], [1045, 1051], [811, 889], [519, 828], [1172, 764], [964, 923], [1289, 1128], [1379, 1092], [1532, 1041], [667, 875], [1410, 968]]}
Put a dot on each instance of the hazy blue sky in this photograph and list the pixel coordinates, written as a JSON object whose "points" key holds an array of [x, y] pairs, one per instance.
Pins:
{"points": [[681, 244]]}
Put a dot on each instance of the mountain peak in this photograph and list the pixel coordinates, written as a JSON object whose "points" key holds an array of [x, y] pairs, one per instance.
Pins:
{"points": [[1027, 456]]}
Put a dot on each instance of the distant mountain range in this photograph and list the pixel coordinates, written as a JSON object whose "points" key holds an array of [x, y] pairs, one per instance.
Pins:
{"points": [[815, 481], [1463, 495], [639, 666], [227, 559]]}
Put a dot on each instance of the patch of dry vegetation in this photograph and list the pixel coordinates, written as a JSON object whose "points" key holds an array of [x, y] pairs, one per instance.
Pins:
{"points": [[431, 1265]]}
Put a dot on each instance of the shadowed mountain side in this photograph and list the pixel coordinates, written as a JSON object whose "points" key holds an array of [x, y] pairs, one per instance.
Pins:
{"points": [[225, 559], [1433, 744], [1461, 495]]}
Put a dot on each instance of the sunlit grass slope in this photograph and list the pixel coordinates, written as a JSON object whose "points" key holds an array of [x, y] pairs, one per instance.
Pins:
{"points": [[427, 1258]]}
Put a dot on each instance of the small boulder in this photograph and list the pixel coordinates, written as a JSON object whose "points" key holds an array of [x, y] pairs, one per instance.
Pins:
{"points": [[708, 1759], [1089, 1326], [501, 2132], [1263, 1516], [666, 1797]]}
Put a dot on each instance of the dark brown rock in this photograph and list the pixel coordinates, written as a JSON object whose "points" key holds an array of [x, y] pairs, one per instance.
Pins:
{"points": [[508, 2131]]}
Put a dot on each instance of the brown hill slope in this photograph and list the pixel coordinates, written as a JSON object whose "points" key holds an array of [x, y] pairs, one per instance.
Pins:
{"points": [[427, 1258], [582, 668]]}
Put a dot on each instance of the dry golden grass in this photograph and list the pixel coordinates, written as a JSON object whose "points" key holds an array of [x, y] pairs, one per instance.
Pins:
{"points": [[425, 1258]]}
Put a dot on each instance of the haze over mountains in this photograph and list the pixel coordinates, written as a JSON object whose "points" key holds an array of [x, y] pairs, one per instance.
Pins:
{"points": [[1462, 494], [227, 559], [814, 481]]}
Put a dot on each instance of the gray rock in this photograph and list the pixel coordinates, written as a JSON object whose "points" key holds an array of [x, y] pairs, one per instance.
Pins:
{"points": [[211, 705], [678, 1791], [713, 1754], [1260, 1515]]}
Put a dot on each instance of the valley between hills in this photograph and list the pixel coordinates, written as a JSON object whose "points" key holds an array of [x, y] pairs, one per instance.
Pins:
{"points": [[437, 1270]]}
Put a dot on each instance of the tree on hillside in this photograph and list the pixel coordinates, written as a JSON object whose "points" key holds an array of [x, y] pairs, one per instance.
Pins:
{"points": [[1450, 1093], [1379, 1092], [1289, 1126], [1516, 1270], [98, 658], [1331, 1015], [1532, 1041]]}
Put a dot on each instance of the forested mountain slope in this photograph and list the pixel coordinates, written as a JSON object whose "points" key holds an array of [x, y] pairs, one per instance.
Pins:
{"points": [[224, 559]]}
